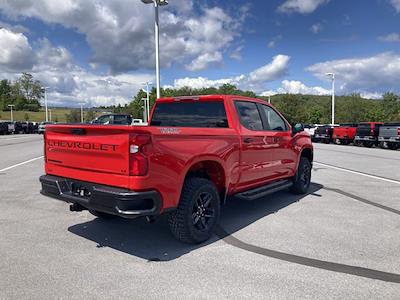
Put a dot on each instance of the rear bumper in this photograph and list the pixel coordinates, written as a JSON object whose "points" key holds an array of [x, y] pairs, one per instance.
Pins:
{"points": [[116, 201], [322, 136]]}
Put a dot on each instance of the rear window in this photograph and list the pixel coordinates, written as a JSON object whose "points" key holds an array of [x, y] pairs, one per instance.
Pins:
{"points": [[364, 126], [190, 114]]}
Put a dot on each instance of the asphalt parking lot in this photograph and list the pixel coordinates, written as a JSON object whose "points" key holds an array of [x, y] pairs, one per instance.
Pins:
{"points": [[341, 241]]}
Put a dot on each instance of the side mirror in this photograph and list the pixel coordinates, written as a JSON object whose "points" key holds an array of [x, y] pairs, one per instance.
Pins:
{"points": [[297, 128]]}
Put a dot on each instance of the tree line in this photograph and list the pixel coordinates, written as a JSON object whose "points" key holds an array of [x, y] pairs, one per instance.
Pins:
{"points": [[297, 108], [24, 93]]}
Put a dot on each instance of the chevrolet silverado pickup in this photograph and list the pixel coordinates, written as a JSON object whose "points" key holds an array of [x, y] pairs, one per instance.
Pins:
{"points": [[344, 134], [197, 153], [367, 134], [389, 136]]}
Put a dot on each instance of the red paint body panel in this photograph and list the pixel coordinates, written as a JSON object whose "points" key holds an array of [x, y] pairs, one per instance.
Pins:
{"points": [[100, 154], [344, 133]]}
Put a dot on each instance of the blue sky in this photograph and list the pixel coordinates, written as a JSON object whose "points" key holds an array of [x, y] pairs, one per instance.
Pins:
{"points": [[99, 52]]}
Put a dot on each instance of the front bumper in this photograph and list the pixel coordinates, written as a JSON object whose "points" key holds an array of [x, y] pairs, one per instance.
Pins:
{"points": [[116, 201]]}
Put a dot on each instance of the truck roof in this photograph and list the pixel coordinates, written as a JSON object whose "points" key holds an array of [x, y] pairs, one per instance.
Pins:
{"points": [[205, 98]]}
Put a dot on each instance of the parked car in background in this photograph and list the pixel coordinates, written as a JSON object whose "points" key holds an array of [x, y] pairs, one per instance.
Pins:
{"points": [[3, 128], [42, 127], [344, 134], [389, 136], [310, 129], [367, 134], [18, 128], [27, 127], [11, 127], [35, 127], [323, 134], [113, 119]]}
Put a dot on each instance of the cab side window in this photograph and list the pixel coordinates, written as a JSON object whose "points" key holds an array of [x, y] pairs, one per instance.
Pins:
{"points": [[249, 115], [273, 121]]}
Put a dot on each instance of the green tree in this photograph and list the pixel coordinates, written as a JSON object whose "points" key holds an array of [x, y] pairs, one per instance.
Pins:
{"points": [[90, 115], [74, 116], [26, 116]]}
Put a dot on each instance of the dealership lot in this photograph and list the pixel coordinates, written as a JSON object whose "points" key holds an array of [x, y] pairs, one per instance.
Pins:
{"points": [[340, 241]]}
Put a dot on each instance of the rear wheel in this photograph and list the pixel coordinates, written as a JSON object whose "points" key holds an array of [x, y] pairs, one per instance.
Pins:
{"points": [[194, 220], [101, 215], [338, 142], [302, 179], [368, 144]]}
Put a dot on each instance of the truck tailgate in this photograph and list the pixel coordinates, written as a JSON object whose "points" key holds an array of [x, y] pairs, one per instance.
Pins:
{"points": [[103, 149]]}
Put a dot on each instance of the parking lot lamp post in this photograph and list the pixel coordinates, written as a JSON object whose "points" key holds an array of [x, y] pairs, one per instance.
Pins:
{"points": [[45, 102], [145, 119], [157, 3], [50, 114], [82, 119], [12, 116], [332, 75], [148, 99]]}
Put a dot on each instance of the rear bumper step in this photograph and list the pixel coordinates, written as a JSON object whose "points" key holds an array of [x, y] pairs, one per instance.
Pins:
{"points": [[264, 190], [116, 201]]}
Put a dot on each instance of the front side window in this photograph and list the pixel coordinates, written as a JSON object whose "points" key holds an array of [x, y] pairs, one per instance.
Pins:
{"points": [[207, 114], [249, 115], [274, 122]]}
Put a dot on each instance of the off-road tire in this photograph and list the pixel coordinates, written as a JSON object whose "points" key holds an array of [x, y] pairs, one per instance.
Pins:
{"points": [[181, 221], [102, 215], [302, 179]]}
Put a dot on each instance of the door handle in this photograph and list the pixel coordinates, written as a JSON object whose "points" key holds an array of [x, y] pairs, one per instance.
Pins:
{"points": [[247, 140]]}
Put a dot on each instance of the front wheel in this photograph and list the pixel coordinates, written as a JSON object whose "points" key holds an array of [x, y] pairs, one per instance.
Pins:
{"points": [[302, 179], [194, 220]]}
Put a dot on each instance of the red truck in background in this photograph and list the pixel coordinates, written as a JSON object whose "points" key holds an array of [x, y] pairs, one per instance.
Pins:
{"points": [[344, 134], [196, 152]]}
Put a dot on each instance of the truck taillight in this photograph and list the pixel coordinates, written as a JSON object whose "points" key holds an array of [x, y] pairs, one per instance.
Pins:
{"points": [[138, 161], [372, 132], [327, 131], [398, 131]]}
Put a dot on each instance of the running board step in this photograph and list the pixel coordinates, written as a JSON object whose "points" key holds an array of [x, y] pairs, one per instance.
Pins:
{"points": [[264, 190]]}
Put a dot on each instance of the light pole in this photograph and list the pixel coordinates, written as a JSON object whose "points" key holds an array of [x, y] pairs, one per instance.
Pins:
{"points": [[332, 75], [82, 113], [269, 99], [157, 3], [145, 110], [50, 114], [45, 102], [148, 99], [11, 106]]}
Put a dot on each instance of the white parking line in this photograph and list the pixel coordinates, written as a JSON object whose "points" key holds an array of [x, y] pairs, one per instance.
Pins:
{"points": [[358, 173], [20, 164]]}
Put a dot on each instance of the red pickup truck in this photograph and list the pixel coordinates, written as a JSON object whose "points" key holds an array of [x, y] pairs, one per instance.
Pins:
{"points": [[196, 152], [344, 134]]}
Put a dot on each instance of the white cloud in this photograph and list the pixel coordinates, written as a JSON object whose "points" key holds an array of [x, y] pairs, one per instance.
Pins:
{"points": [[15, 52], [204, 61], [277, 68], [296, 87], [69, 83], [392, 37], [316, 28], [123, 39], [370, 74], [272, 43], [255, 80], [396, 4], [301, 6]]}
